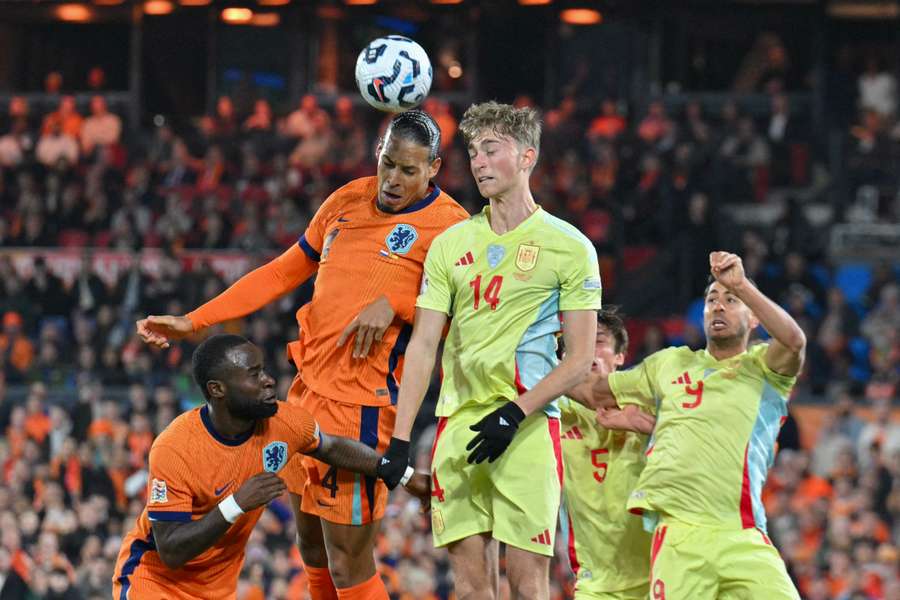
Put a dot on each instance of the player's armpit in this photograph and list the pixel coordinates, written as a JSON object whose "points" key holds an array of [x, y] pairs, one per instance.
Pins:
{"points": [[345, 453]]}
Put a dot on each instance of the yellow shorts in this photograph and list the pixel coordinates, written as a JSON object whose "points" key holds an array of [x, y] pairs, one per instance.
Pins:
{"points": [[516, 498], [702, 563]]}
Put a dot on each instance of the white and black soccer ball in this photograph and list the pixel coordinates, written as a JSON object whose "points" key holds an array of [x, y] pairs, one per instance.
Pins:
{"points": [[393, 73]]}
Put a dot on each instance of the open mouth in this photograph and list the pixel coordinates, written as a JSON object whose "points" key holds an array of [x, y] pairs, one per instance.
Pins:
{"points": [[485, 178], [718, 324], [390, 197], [272, 399]]}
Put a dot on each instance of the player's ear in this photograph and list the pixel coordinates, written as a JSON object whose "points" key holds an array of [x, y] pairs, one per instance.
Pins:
{"points": [[528, 158], [619, 359], [434, 167], [378, 148], [753, 322], [215, 389]]}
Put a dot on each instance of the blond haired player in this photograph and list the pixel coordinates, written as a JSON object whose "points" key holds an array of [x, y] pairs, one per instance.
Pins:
{"points": [[505, 275]]}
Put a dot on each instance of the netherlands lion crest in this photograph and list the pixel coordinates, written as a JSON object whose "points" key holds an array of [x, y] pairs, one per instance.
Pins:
{"points": [[275, 456], [401, 238]]}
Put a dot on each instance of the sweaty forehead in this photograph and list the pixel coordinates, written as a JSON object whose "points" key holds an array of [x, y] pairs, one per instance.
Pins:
{"points": [[245, 356], [402, 150]]}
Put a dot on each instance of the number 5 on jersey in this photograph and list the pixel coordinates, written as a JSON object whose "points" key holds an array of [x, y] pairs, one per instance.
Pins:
{"points": [[491, 293]]}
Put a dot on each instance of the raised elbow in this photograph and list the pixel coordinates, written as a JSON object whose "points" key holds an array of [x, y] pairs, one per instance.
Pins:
{"points": [[797, 343]]}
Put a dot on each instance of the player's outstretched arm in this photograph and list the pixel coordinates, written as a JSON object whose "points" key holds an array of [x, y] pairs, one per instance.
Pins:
{"points": [[346, 453], [178, 543], [246, 295], [417, 368], [788, 346], [593, 391]]}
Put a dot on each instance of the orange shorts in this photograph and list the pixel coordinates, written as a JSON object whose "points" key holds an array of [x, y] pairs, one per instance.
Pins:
{"points": [[338, 495]]}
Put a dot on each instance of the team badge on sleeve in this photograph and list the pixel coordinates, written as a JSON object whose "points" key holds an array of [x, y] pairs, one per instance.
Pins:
{"points": [[527, 257], [275, 456], [159, 494], [401, 238]]}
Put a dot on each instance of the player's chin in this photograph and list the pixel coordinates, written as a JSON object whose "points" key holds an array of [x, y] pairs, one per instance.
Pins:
{"points": [[267, 408], [390, 202]]}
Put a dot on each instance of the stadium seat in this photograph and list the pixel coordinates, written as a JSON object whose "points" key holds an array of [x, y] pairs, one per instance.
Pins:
{"points": [[854, 280]]}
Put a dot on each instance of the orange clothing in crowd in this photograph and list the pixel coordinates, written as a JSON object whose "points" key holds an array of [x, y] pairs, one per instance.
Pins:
{"points": [[38, 426], [20, 350], [192, 469]]}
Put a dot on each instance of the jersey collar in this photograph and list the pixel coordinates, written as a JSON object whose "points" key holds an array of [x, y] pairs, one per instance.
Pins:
{"points": [[423, 203], [207, 422]]}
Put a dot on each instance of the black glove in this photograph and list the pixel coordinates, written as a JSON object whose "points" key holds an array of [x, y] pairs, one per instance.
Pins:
{"points": [[495, 432], [392, 466]]}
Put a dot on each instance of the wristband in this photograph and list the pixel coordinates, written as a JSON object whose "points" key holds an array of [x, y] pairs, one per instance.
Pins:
{"points": [[408, 475], [230, 509]]}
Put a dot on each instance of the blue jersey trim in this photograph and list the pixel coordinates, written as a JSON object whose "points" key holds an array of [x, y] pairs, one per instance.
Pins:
{"points": [[137, 550], [207, 422], [169, 515], [423, 203], [761, 452], [397, 351], [311, 252]]}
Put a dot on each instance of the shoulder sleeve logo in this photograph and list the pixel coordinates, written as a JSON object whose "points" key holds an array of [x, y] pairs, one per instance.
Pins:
{"points": [[401, 238], [274, 456], [159, 494]]}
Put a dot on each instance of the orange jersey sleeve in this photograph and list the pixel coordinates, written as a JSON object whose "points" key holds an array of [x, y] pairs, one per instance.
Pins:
{"points": [[298, 426], [258, 287], [364, 254], [169, 496]]}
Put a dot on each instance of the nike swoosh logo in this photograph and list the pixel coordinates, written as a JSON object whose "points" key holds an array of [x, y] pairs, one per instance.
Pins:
{"points": [[223, 488], [342, 220]]}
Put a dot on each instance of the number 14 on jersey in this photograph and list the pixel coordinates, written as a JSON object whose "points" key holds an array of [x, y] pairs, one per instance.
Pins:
{"points": [[491, 292]]}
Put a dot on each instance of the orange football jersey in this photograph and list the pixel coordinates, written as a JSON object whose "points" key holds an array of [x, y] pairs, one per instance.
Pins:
{"points": [[192, 469], [364, 253]]}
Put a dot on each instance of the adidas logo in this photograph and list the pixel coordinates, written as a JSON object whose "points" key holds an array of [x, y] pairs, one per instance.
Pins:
{"points": [[573, 434], [468, 259], [684, 379], [542, 538], [504, 422]]}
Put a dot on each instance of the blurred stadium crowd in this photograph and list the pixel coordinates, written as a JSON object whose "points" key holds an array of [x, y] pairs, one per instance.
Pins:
{"points": [[106, 225]]}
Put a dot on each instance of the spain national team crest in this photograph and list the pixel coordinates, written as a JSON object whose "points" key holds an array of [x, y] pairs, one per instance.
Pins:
{"points": [[526, 257], [275, 456], [401, 238], [495, 254]]}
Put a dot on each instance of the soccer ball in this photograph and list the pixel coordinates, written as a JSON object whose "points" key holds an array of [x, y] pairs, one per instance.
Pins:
{"points": [[393, 73]]}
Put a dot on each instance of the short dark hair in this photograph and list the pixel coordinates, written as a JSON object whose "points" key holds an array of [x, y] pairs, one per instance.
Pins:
{"points": [[712, 279], [609, 317], [418, 126], [210, 357]]}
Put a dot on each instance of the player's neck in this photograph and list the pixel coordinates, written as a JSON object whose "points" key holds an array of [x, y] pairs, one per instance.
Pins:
{"points": [[726, 349], [508, 210], [227, 425]]}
